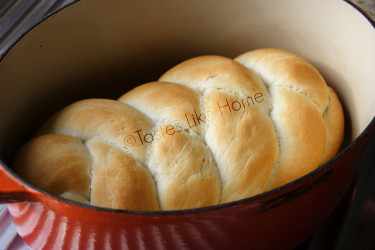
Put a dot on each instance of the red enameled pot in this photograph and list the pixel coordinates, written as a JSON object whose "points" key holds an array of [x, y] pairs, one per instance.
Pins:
{"points": [[102, 49]]}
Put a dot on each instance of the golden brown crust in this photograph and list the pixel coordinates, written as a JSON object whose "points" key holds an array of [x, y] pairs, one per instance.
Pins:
{"points": [[211, 130], [307, 113], [56, 163], [334, 120], [302, 136], [183, 167], [108, 120], [118, 181], [280, 67]]}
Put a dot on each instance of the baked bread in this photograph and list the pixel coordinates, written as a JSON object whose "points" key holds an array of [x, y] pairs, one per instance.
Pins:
{"points": [[211, 130]]}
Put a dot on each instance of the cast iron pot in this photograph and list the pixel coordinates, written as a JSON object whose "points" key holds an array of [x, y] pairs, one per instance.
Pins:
{"points": [[102, 49]]}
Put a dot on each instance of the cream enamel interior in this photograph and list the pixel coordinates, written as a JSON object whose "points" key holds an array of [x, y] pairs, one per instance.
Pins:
{"points": [[104, 48]]}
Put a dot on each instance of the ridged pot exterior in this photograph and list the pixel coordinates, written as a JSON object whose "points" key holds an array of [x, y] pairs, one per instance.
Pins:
{"points": [[282, 219]]}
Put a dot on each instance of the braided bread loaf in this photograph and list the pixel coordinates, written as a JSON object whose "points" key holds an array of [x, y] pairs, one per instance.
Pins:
{"points": [[211, 130]]}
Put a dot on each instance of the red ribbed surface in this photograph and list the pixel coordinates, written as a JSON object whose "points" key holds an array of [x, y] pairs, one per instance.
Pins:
{"points": [[9, 239], [44, 229]]}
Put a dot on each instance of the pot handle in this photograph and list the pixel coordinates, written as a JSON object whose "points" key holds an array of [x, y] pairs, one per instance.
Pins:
{"points": [[11, 189]]}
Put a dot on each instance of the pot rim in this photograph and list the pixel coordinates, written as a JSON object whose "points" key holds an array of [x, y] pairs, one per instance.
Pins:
{"points": [[368, 131]]}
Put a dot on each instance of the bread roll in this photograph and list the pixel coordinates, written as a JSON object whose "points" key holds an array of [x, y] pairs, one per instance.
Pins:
{"points": [[211, 130]]}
